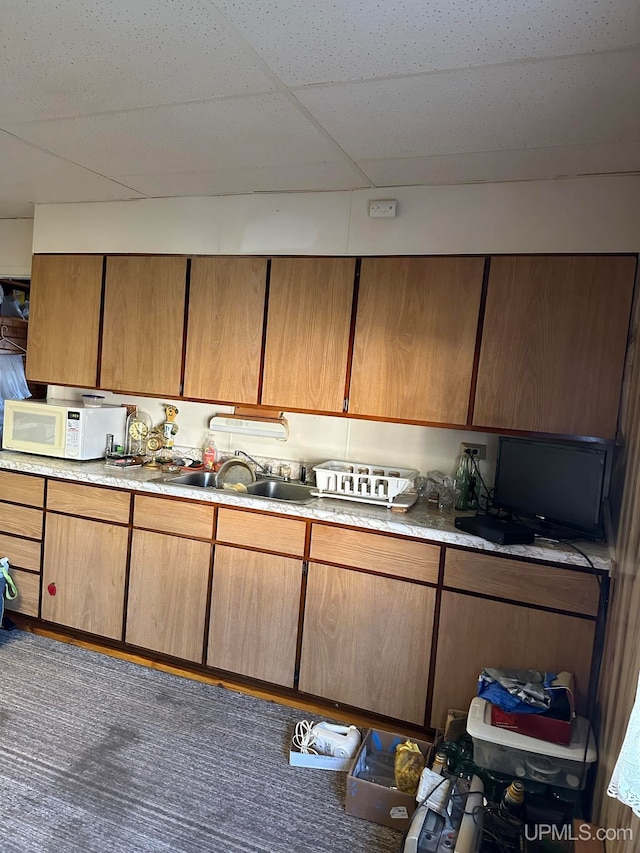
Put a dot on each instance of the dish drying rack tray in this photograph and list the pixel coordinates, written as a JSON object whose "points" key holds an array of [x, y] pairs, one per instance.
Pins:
{"points": [[362, 481]]}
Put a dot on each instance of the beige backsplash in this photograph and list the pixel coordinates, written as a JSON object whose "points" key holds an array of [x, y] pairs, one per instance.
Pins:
{"points": [[317, 438]]}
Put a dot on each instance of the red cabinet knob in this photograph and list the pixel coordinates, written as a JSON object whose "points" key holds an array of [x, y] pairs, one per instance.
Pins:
{"points": [[51, 589]]}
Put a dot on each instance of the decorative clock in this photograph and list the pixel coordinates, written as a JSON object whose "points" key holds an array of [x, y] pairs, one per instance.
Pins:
{"points": [[138, 429]]}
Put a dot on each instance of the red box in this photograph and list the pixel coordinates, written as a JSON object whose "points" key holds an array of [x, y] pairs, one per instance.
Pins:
{"points": [[556, 728]]}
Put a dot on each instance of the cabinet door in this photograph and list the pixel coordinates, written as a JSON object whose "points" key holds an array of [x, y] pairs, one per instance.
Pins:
{"points": [[85, 561], [366, 641], [254, 614], [167, 601], [143, 325], [553, 344], [27, 600], [415, 338], [308, 327], [64, 319], [224, 332], [477, 632]]}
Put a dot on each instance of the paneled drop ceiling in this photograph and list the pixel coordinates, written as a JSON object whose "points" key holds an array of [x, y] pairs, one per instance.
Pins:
{"points": [[113, 99]]}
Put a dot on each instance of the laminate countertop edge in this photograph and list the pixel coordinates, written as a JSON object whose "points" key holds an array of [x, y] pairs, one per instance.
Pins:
{"points": [[419, 522]]}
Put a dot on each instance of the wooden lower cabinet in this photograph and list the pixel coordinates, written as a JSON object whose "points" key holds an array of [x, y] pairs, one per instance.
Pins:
{"points": [[167, 603], [84, 572], [476, 632], [28, 599], [255, 605], [366, 641]]}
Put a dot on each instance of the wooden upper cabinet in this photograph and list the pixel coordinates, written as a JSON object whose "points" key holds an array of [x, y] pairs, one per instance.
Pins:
{"points": [[553, 344], [224, 332], [143, 325], [308, 327], [415, 338], [64, 319]]}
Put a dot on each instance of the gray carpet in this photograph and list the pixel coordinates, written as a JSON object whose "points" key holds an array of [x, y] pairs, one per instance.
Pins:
{"points": [[99, 754]]}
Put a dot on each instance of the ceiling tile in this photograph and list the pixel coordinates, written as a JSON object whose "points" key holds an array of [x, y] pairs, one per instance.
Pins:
{"points": [[88, 56], [323, 176], [328, 41], [23, 162], [581, 99], [88, 187], [253, 132], [522, 164]]}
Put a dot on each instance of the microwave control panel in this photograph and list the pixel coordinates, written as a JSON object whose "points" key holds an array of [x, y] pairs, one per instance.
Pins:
{"points": [[72, 439]]}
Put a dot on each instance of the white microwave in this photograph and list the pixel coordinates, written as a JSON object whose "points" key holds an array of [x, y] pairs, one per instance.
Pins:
{"points": [[61, 428]]}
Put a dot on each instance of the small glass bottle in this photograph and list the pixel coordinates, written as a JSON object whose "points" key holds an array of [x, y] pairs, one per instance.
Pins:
{"points": [[209, 453], [440, 763], [513, 799]]}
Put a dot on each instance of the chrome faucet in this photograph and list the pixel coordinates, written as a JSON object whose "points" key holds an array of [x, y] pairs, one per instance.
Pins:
{"points": [[266, 471]]}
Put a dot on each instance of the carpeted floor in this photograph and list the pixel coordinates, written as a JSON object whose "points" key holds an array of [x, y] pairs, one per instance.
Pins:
{"points": [[98, 754]]}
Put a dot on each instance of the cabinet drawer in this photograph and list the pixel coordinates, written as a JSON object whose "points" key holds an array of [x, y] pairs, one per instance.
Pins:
{"points": [[388, 555], [185, 518], [529, 583], [20, 552], [28, 598], [267, 532], [89, 501], [21, 488], [21, 520]]}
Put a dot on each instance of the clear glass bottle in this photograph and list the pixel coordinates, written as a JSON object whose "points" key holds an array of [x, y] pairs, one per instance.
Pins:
{"points": [[466, 484], [462, 482], [209, 452]]}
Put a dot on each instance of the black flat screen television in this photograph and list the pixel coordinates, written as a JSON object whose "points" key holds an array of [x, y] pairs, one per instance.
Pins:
{"points": [[557, 486]]}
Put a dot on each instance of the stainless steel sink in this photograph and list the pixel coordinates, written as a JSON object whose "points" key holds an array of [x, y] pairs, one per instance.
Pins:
{"points": [[281, 491], [201, 479], [275, 489]]}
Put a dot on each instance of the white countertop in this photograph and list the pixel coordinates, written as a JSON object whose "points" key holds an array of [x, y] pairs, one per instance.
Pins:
{"points": [[419, 521]]}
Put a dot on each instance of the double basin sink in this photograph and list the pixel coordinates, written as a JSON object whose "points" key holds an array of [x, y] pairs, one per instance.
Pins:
{"points": [[280, 490]]}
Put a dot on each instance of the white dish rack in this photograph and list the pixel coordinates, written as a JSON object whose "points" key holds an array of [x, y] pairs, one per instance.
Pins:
{"points": [[362, 481]]}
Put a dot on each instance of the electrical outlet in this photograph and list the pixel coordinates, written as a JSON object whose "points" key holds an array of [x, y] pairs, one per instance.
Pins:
{"points": [[382, 207], [479, 451]]}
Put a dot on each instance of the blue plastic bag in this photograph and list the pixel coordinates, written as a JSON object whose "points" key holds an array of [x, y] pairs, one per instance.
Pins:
{"points": [[518, 691]]}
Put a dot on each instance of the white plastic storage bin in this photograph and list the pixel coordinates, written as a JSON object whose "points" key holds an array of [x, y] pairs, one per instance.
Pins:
{"points": [[362, 479], [527, 757]]}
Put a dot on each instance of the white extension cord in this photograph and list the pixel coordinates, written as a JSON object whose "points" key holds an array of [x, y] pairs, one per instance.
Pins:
{"points": [[304, 738], [326, 739]]}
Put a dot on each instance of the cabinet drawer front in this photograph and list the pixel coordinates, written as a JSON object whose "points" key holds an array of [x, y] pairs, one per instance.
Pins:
{"points": [[388, 555], [28, 598], [89, 501], [21, 488], [267, 532], [20, 552], [529, 583], [170, 516], [21, 520]]}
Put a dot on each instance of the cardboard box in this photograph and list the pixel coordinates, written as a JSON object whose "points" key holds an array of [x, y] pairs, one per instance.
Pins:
{"points": [[554, 726], [375, 800]]}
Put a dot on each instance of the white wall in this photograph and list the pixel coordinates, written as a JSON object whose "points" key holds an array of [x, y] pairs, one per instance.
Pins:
{"points": [[573, 215], [16, 237], [318, 438], [599, 214]]}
